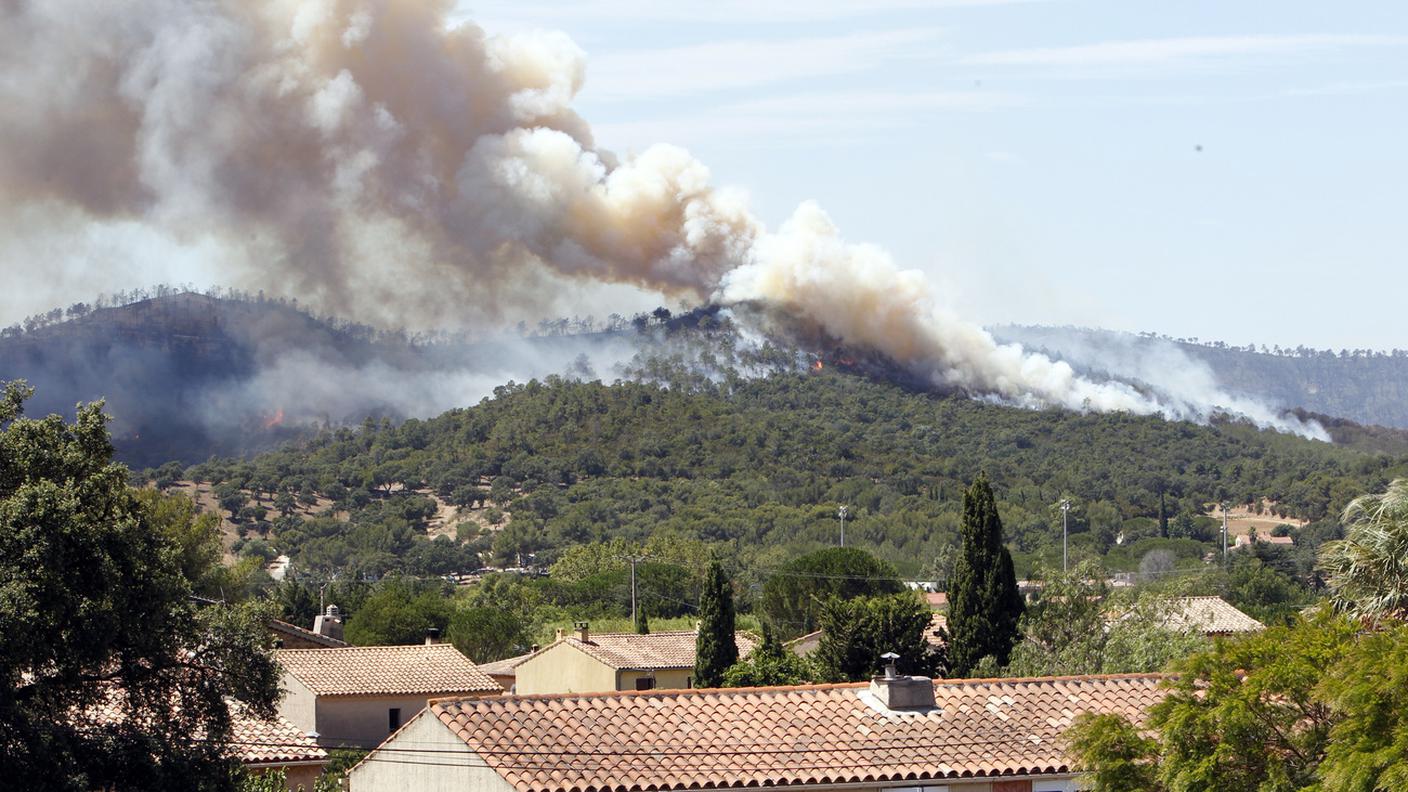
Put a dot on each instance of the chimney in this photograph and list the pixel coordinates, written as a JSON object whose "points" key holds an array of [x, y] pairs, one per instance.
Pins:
{"points": [[583, 634], [560, 634], [329, 623], [432, 636], [900, 692]]}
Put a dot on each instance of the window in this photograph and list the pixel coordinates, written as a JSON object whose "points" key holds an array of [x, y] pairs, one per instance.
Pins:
{"points": [[689, 682], [645, 683], [393, 719]]}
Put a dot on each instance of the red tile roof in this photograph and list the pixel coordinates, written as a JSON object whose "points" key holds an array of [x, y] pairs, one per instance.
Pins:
{"points": [[819, 734], [656, 651], [1209, 615], [297, 633], [432, 669], [254, 740], [505, 667], [276, 741]]}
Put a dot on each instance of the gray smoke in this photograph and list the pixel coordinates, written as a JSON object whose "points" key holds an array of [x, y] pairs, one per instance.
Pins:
{"points": [[373, 160]]}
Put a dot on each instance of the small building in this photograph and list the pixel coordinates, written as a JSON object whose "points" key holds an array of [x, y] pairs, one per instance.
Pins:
{"points": [[291, 636], [356, 695], [1247, 540], [900, 733], [505, 671], [260, 745], [271, 745], [1212, 616], [805, 645], [580, 662]]}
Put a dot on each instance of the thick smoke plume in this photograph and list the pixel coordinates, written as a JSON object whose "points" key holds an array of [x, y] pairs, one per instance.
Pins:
{"points": [[370, 158]]}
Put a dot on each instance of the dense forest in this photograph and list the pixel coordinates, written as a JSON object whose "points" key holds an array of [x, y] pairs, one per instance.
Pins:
{"points": [[757, 468]]}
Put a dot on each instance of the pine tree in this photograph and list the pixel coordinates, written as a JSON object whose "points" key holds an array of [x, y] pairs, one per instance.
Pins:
{"points": [[984, 604], [715, 649]]}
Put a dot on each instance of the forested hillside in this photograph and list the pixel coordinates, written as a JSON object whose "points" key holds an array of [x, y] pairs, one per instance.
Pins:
{"points": [[758, 468]]}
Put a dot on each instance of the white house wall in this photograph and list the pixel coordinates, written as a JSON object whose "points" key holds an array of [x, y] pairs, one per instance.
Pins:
{"points": [[425, 756]]}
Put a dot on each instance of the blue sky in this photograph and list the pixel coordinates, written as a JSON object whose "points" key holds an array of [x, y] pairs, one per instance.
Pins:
{"points": [[1225, 170]]}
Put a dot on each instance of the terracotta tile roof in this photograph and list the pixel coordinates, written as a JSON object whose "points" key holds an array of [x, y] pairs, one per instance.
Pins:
{"points": [[936, 599], [433, 669], [819, 734], [274, 741], [1210, 615], [298, 633], [938, 622], [255, 741], [653, 651], [505, 667]]}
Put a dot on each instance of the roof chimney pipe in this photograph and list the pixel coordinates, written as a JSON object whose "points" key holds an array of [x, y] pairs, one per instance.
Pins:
{"points": [[329, 623], [899, 692]]}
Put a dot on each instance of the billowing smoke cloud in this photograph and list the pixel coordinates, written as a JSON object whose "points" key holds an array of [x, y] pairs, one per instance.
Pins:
{"points": [[369, 158], [857, 293]]}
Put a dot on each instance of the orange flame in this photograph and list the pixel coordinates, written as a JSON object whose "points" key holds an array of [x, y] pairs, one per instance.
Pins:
{"points": [[818, 366], [276, 419]]}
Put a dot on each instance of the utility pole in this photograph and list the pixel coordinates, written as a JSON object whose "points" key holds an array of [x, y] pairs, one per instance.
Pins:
{"points": [[842, 515], [1065, 520], [634, 559], [1224, 533]]}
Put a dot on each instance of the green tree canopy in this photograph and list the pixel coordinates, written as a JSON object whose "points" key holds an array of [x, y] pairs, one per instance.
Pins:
{"points": [[1118, 756], [856, 632], [1367, 571], [96, 610], [1368, 694], [793, 596], [716, 647], [399, 612], [770, 664], [984, 604], [1077, 625], [484, 634]]}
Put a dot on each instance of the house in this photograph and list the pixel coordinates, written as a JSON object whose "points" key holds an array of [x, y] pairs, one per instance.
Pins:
{"points": [[270, 745], [1212, 616], [805, 645], [291, 636], [1247, 540], [260, 745], [505, 671], [581, 662], [356, 695], [900, 733]]}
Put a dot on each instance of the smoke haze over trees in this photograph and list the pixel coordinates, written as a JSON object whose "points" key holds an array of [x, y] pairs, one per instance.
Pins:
{"points": [[376, 160]]}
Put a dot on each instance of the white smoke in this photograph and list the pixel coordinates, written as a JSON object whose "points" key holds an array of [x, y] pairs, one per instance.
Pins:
{"points": [[369, 158], [858, 294]]}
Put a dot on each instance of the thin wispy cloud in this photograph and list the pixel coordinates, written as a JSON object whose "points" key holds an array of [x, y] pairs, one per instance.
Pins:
{"points": [[516, 14], [805, 118], [1358, 88], [747, 63], [1175, 51]]}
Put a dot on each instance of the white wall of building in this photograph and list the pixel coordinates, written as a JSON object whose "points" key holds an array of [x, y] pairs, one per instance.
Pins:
{"points": [[426, 757]]}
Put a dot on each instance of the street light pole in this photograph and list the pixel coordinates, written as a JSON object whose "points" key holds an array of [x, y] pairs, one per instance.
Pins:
{"points": [[842, 515], [1065, 521]]}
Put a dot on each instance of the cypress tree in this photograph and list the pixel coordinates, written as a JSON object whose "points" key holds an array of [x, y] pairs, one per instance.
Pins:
{"points": [[642, 623], [984, 604], [715, 649]]}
